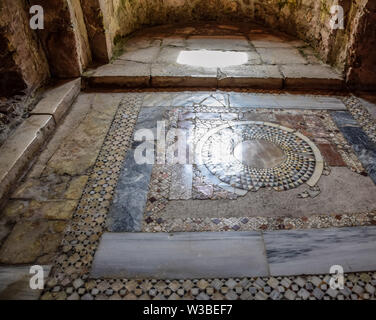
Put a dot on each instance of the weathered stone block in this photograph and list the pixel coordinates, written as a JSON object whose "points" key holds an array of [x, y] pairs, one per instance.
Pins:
{"points": [[17, 151], [57, 101]]}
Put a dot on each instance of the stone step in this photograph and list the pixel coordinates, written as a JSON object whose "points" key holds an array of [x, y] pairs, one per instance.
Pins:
{"points": [[57, 101], [268, 77], [20, 147], [213, 255], [17, 152]]}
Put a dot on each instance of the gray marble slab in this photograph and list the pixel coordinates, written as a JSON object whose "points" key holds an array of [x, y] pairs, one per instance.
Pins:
{"points": [[191, 98], [310, 252], [344, 119], [158, 99], [284, 101], [364, 147], [287, 101], [132, 189], [180, 256], [185, 99], [148, 118], [130, 196]]}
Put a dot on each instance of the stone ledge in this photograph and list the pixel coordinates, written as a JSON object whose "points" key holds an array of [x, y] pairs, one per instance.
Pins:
{"points": [[271, 82], [183, 81], [17, 152], [58, 100], [251, 76], [116, 82], [313, 77], [251, 82]]}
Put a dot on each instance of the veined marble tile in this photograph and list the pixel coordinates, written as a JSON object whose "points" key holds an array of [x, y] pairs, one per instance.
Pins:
{"points": [[188, 99], [180, 256], [344, 119], [148, 119], [290, 101], [158, 99], [130, 196], [364, 147], [316, 251]]}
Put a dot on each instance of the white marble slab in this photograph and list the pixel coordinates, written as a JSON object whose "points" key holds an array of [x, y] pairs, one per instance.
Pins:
{"points": [[249, 100], [309, 252], [286, 101], [180, 256]]}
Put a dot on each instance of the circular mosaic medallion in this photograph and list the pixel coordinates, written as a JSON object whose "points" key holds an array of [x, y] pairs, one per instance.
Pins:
{"points": [[252, 155]]}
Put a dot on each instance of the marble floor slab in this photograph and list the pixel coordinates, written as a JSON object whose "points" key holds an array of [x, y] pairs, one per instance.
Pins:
{"points": [[316, 251], [148, 119], [132, 189], [234, 254], [245, 100], [180, 256], [130, 196], [363, 146], [286, 101]]}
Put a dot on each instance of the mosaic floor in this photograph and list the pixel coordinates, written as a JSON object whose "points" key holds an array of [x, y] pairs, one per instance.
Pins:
{"points": [[252, 155], [224, 179], [311, 171]]}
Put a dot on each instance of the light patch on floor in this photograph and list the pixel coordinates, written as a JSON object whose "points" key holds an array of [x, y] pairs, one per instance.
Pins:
{"points": [[212, 59]]}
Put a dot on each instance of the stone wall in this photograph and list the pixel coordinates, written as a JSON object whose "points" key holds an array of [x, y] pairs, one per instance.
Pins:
{"points": [[23, 65], [64, 37], [99, 40], [361, 60], [78, 30]]}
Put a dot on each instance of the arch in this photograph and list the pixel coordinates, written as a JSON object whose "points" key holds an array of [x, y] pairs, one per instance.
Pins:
{"points": [[308, 20], [76, 30]]}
